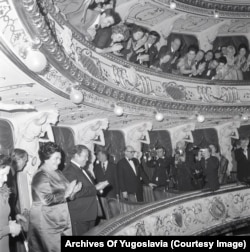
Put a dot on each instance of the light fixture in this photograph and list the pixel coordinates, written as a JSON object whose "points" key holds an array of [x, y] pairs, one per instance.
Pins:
{"points": [[76, 96], [118, 110], [172, 4], [216, 14], [244, 117], [200, 118], [159, 116]]}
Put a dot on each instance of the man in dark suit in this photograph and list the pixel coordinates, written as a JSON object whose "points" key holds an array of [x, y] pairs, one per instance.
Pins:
{"points": [[84, 208], [173, 48], [105, 170], [210, 167], [242, 156], [130, 173]]}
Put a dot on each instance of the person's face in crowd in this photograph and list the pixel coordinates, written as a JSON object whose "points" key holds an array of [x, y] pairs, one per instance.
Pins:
{"points": [[130, 152], [212, 148], [230, 51], [54, 161], [82, 158], [242, 52], [21, 162], [199, 56], [209, 56], [217, 55], [138, 35], [224, 50], [101, 157], [166, 58], [3, 174], [244, 143], [220, 66], [117, 37], [206, 153], [106, 21], [160, 153], [191, 55], [214, 64], [176, 44], [152, 39]]}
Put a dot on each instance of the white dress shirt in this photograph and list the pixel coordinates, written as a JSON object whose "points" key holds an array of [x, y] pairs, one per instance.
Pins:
{"points": [[132, 165]]}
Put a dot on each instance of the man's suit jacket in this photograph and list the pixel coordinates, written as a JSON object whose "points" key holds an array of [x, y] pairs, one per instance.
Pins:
{"points": [[243, 164], [110, 175], [210, 172], [161, 168], [128, 180], [84, 206]]}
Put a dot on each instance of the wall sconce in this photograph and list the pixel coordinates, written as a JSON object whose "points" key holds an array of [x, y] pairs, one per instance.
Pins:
{"points": [[200, 118], [118, 110], [172, 4], [216, 14], [244, 117], [159, 116], [76, 96]]}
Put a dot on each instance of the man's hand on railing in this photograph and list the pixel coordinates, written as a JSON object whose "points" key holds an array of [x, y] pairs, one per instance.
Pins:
{"points": [[152, 185]]}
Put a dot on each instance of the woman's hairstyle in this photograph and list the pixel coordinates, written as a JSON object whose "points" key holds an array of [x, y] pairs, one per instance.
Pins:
{"points": [[4, 161], [47, 150], [121, 29], [17, 154]]}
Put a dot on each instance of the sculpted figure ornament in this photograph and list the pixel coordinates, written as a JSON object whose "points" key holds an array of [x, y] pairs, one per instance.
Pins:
{"points": [[180, 134], [136, 135], [28, 130], [89, 134], [226, 132]]}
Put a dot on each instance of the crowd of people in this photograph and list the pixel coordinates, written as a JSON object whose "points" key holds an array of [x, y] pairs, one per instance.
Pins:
{"points": [[100, 24], [69, 201]]}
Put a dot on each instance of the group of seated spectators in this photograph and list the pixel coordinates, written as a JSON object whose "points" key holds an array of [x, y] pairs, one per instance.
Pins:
{"points": [[100, 24]]}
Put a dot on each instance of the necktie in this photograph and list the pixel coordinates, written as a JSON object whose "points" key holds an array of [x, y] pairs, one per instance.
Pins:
{"points": [[103, 168]]}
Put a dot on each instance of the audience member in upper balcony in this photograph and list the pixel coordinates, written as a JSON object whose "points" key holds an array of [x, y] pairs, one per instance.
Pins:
{"points": [[240, 60], [136, 45], [217, 54], [232, 73], [199, 63], [224, 51], [174, 48], [151, 53], [210, 72], [209, 55], [246, 69], [106, 44], [222, 69], [186, 64], [94, 20], [163, 63]]}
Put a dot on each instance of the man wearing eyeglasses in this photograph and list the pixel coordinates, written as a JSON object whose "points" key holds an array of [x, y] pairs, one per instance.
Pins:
{"points": [[130, 174]]}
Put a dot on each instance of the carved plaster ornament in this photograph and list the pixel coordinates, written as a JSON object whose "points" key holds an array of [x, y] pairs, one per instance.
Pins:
{"points": [[181, 134], [225, 133], [91, 133], [28, 128], [207, 36], [9, 107], [137, 134]]}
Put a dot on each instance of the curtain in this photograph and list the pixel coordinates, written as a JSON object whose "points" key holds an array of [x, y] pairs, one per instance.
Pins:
{"points": [[6, 137]]}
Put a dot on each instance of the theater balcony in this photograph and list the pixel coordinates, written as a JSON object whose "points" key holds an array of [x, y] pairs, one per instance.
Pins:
{"points": [[223, 212]]}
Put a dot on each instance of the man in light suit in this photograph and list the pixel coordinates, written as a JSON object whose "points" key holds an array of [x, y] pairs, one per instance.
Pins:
{"points": [[130, 173], [84, 208], [242, 156]]}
